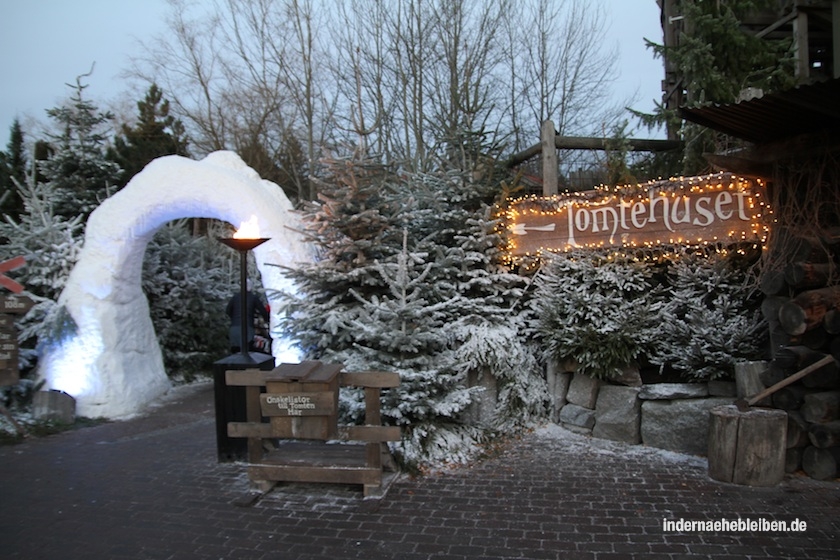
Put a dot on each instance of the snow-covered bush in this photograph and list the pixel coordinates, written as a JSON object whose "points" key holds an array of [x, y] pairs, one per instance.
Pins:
{"points": [[598, 310], [710, 319], [409, 282], [694, 314]]}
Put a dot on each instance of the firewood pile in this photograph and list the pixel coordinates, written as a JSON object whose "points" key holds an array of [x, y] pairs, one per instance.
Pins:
{"points": [[802, 307]]}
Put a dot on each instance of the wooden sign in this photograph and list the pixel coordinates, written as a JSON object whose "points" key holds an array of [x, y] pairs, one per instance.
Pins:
{"points": [[15, 304], [297, 404], [10, 305], [712, 209], [9, 374], [7, 333]]}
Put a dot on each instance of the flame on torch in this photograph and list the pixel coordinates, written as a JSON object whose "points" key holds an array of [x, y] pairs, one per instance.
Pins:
{"points": [[249, 229]]}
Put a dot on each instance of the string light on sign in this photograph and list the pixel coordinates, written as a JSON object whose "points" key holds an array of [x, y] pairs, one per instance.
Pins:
{"points": [[715, 210]]}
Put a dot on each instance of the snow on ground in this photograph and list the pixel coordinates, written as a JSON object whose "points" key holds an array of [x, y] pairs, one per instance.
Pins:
{"points": [[591, 445]]}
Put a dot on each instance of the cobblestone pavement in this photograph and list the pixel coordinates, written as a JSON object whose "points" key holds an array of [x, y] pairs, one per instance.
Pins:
{"points": [[151, 488]]}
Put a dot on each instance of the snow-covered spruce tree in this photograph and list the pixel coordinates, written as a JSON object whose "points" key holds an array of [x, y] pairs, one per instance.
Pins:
{"points": [[188, 281], [596, 309], [51, 245], [77, 169], [407, 283], [710, 319]]}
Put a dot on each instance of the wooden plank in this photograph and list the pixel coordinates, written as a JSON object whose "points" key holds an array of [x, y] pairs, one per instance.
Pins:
{"points": [[330, 475], [369, 433], [381, 379], [252, 414], [293, 372], [9, 358], [249, 430], [316, 453], [298, 404], [372, 412], [373, 456], [245, 377], [324, 374], [9, 376], [345, 433], [15, 304], [306, 427]]}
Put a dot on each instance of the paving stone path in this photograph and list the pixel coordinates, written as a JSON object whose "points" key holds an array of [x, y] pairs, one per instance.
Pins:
{"points": [[151, 488]]}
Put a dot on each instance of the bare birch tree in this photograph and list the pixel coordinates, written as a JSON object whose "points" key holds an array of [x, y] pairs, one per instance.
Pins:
{"points": [[411, 81]]}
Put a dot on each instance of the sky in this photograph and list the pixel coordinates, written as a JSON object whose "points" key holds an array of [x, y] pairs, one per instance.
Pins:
{"points": [[46, 44]]}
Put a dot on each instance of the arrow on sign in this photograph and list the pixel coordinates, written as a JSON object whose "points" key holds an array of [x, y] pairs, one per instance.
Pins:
{"points": [[7, 282]]}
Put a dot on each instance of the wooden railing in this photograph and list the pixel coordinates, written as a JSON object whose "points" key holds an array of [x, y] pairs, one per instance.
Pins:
{"points": [[292, 425]]}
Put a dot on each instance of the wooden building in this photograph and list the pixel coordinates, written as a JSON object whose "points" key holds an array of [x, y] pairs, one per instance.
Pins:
{"points": [[793, 143]]}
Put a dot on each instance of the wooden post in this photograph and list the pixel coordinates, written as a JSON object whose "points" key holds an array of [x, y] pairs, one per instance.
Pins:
{"points": [[800, 46], [835, 29], [549, 158]]}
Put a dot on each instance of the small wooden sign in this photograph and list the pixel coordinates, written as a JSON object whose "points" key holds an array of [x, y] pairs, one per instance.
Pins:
{"points": [[297, 404], [9, 377], [17, 305], [9, 374], [7, 335]]}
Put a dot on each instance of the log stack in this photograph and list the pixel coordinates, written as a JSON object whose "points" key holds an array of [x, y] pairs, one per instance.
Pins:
{"points": [[802, 308]]}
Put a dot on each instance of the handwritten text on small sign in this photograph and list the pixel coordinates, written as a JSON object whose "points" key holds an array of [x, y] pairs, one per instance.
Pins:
{"points": [[297, 404]]}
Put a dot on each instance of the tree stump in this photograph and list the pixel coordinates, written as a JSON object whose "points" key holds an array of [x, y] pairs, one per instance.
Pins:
{"points": [[747, 448]]}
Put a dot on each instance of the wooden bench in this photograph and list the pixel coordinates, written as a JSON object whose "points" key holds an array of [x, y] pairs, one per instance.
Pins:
{"points": [[292, 425]]}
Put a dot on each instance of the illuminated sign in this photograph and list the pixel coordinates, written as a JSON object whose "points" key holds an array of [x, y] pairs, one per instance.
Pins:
{"points": [[699, 210]]}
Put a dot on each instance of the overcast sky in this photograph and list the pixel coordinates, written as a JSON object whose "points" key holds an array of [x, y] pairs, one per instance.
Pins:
{"points": [[45, 44]]}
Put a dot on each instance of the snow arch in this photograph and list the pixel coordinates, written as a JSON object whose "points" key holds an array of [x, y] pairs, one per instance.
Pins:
{"points": [[110, 360]]}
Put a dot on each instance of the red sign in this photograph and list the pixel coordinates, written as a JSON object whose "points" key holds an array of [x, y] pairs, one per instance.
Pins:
{"points": [[7, 282]]}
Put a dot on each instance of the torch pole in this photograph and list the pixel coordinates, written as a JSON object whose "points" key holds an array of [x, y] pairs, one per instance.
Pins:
{"points": [[243, 305], [243, 245]]}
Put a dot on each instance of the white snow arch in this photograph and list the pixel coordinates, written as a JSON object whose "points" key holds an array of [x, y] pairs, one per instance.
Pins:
{"points": [[111, 363]]}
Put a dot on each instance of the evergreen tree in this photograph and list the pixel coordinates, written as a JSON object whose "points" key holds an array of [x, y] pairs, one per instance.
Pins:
{"points": [[12, 171], [77, 170], [712, 319], [51, 245], [598, 310], [716, 60], [156, 134], [409, 281], [188, 281]]}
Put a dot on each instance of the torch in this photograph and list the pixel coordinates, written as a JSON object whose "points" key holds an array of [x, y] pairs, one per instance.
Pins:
{"points": [[244, 239]]}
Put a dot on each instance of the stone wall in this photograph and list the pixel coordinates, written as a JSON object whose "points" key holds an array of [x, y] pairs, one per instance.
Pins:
{"points": [[672, 416]]}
